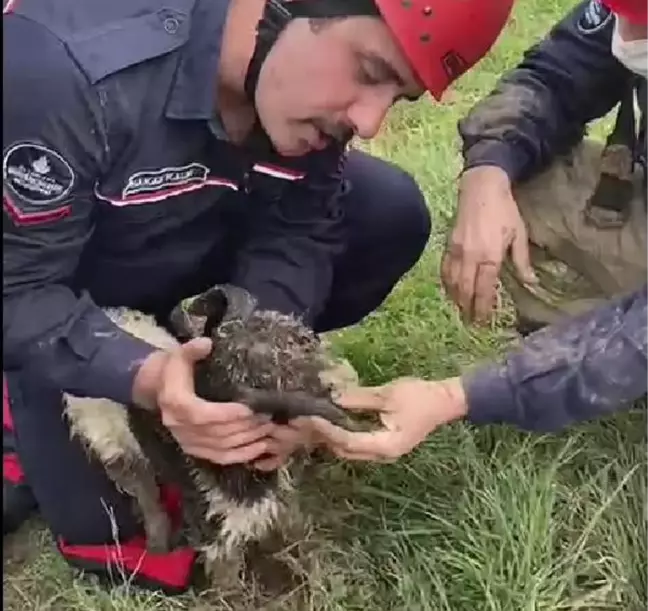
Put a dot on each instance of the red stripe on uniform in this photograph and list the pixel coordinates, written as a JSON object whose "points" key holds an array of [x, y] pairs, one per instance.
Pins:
{"points": [[158, 196], [7, 420], [35, 218], [10, 6]]}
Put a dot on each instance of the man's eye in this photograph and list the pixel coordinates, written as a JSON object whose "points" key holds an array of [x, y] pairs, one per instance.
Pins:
{"points": [[366, 78]]}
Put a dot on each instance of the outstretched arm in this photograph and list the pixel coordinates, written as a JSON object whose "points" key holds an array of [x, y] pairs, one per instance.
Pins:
{"points": [[579, 369], [585, 367]]}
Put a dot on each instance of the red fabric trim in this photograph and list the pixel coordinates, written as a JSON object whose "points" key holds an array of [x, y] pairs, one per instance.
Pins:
{"points": [[11, 469], [171, 571], [7, 420]]}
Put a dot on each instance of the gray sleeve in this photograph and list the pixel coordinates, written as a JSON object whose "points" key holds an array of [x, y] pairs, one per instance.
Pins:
{"points": [[583, 368], [540, 109]]}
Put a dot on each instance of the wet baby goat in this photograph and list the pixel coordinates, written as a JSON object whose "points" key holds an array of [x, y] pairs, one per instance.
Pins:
{"points": [[271, 362]]}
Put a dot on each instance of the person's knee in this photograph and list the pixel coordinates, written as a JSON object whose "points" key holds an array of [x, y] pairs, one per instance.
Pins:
{"points": [[93, 524], [18, 501], [74, 495], [389, 226], [388, 209], [406, 216]]}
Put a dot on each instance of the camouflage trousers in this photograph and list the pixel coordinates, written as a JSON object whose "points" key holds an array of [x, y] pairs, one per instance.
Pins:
{"points": [[580, 263]]}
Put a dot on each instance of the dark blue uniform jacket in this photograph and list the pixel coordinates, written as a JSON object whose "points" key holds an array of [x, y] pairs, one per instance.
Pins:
{"points": [[593, 364], [118, 182]]}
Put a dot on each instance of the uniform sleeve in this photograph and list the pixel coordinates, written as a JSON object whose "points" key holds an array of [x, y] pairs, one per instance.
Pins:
{"points": [[583, 368], [54, 149], [287, 263], [541, 108]]}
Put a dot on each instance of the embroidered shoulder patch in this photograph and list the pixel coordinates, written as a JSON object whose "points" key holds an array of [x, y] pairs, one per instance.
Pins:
{"points": [[36, 174], [595, 17]]}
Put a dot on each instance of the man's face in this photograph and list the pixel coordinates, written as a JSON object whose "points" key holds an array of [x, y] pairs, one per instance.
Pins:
{"points": [[329, 82]]}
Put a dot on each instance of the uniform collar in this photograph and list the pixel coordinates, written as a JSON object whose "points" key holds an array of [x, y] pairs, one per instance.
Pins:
{"points": [[193, 94]]}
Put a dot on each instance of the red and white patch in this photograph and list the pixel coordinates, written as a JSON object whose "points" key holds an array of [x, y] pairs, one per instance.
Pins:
{"points": [[9, 6], [37, 183], [22, 217]]}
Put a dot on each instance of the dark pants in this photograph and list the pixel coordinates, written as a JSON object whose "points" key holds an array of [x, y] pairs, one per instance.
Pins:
{"points": [[389, 226]]}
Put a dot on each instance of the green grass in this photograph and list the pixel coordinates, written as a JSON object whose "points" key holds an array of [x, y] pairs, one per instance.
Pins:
{"points": [[475, 519]]}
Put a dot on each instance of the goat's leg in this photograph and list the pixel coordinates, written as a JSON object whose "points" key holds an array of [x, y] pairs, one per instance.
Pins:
{"points": [[281, 561], [278, 562], [247, 530], [240, 519], [103, 427], [235, 526]]}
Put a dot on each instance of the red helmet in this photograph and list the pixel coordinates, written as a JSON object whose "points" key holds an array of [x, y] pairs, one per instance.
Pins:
{"points": [[444, 39], [635, 11]]}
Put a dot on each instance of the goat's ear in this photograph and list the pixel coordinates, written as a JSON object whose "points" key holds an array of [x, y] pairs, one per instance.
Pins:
{"points": [[240, 303], [196, 316], [284, 406]]}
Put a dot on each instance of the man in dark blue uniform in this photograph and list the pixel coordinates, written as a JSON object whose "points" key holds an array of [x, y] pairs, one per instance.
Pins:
{"points": [[150, 152], [572, 214]]}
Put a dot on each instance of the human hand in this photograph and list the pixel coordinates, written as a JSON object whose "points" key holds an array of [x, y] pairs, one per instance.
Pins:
{"points": [[286, 440], [487, 227], [222, 433], [410, 409]]}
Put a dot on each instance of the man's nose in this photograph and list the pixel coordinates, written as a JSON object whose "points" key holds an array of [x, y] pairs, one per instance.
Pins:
{"points": [[368, 113], [631, 31]]}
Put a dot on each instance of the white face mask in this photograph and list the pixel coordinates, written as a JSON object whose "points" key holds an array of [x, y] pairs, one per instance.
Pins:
{"points": [[633, 54]]}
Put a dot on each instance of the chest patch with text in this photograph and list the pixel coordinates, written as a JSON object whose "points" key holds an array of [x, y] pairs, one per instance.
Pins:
{"points": [[157, 185], [164, 179]]}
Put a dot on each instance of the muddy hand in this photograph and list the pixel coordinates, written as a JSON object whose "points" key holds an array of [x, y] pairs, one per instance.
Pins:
{"points": [[487, 228], [409, 408]]}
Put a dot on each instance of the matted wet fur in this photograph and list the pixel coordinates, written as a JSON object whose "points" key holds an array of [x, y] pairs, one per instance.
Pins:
{"points": [[236, 516]]}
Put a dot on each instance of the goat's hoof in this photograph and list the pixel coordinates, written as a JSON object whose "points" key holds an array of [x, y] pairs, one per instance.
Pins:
{"points": [[274, 575], [223, 572], [275, 563]]}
